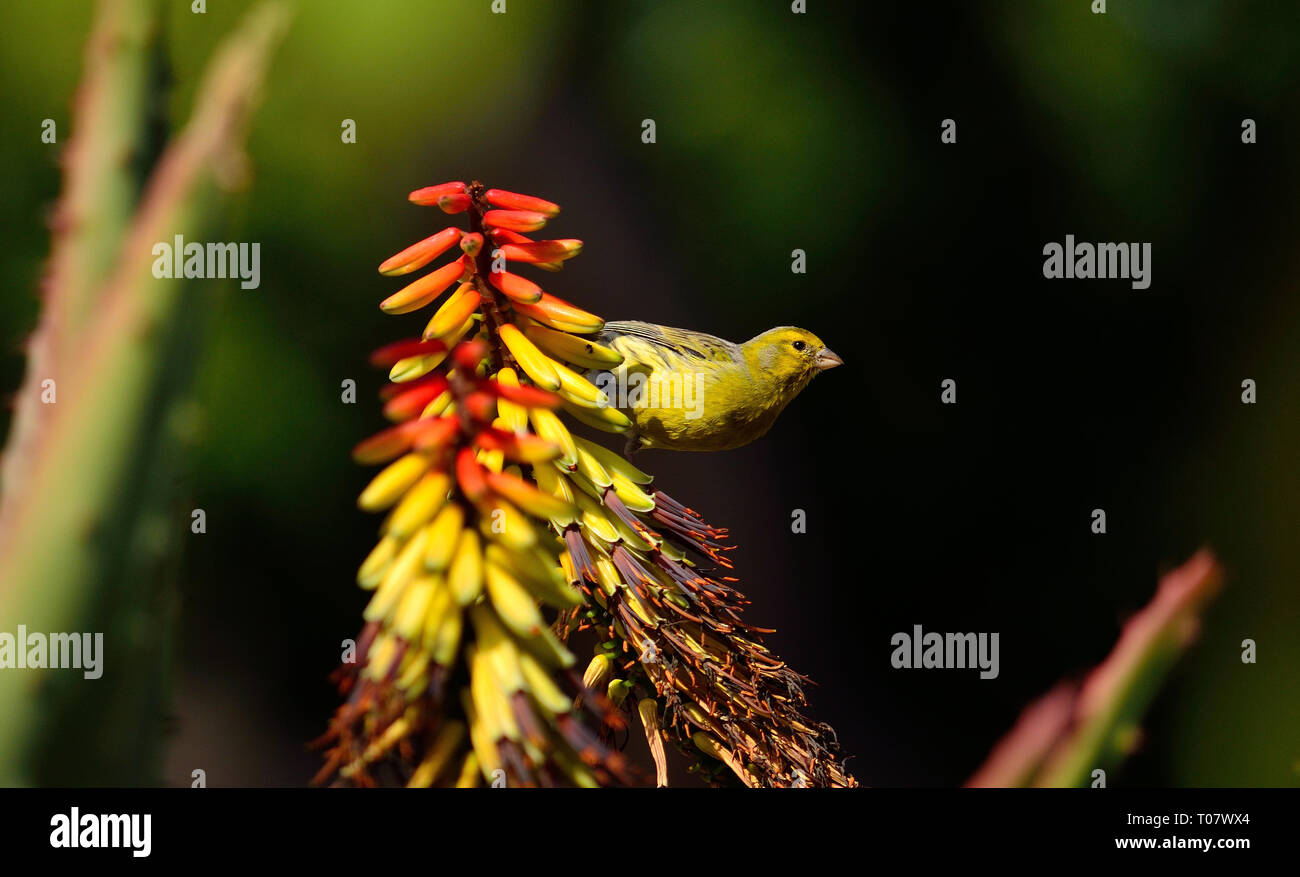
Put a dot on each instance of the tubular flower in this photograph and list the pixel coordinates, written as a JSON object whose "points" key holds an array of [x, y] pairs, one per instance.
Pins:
{"points": [[505, 534]]}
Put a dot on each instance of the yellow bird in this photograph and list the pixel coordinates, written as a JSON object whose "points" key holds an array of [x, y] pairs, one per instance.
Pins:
{"points": [[689, 391]]}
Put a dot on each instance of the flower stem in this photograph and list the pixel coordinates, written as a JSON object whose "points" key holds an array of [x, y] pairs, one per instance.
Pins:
{"points": [[493, 302]]}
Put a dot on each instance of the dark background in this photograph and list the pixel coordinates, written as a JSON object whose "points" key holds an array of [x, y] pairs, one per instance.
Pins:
{"points": [[776, 131]]}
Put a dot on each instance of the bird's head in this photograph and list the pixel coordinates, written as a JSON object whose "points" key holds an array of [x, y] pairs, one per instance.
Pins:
{"points": [[792, 356]]}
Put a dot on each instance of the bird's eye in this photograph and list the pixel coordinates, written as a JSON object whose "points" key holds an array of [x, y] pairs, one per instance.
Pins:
{"points": [[799, 345]]}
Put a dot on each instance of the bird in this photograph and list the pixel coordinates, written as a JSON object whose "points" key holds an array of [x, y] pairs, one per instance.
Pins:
{"points": [[685, 390]]}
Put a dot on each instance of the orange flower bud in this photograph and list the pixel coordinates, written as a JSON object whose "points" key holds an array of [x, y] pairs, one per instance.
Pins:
{"points": [[384, 446], [392, 391], [469, 354], [471, 476], [515, 201], [416, 256], [429, 195], [522, 448], [502, 236], [559, 314], [434, 433], [516, 288], [515, 220], [424, 290], [454, 312], [480, 405], [454, 203], [542, 251], [398, 350], [528, 497], [529, 397], [471, 244], [413, 397]]}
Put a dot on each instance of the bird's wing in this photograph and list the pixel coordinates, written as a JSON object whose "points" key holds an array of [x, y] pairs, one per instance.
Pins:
{"points": [[646, 342]]}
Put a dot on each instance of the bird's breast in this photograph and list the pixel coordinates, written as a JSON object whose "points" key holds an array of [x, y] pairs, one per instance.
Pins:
{"points": [[705, 409]]}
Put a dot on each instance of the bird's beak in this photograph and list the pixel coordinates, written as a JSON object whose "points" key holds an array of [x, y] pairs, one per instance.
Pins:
{"points": [[827, 358]]}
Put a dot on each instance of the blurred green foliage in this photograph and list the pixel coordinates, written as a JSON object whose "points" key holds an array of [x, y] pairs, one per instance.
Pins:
{"points": [[774, 132]]}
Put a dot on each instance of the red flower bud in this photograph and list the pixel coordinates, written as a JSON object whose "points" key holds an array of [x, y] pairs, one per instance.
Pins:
{"points": [[384, 446], [416, 256], [412, 398], [468, 355], [418, 294], [398, 350], [454, 203], [516, 288], [433, 434], [429, 195], [522, 448], [529, 397], [515, 201], [515, 220], [542, 251], [501, 236], [470, 475], [480, 406]]}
